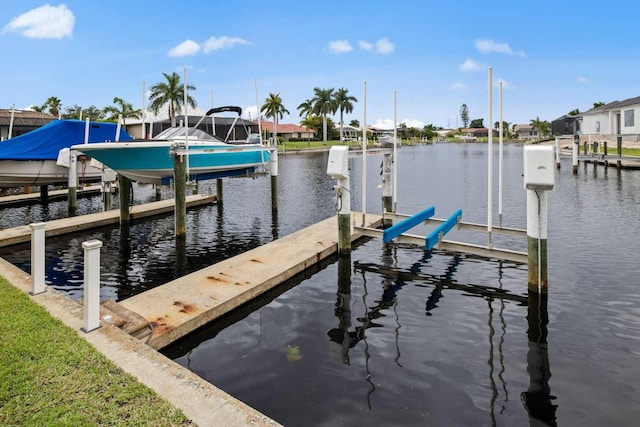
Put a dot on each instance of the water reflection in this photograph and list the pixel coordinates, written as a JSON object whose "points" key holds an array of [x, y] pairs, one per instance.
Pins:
{"points": [[538, 400]]}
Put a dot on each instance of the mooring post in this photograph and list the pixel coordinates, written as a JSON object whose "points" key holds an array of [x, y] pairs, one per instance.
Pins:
{"points": [[91, 309], [124, 186], [273, 172], [158, 192], [44, 194], [37, 258], [73, 182], [619, 145], [219, 195], [180, 178], [538, 179], [605, 148], [387, 189], [338, 168], [557, 153], [574, 153]]}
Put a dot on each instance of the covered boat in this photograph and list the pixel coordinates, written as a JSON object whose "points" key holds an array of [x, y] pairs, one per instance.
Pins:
{"points": [[34, 157]]}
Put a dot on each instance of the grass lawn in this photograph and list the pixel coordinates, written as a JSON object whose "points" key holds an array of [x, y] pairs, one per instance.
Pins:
{"points": [[625, 151], [49, 375]]}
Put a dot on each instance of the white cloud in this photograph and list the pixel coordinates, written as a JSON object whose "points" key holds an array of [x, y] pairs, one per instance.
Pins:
{"points": [[488, 46], [458, 86], [581, 79], [413, 123], [365, 45], [44, 22], [224, 42], [186, 48], [384, 46], [340, 46], [469, 65]]}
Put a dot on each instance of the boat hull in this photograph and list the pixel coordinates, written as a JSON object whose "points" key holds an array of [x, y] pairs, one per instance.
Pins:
{"points": [[20, 173], [151, 161]]}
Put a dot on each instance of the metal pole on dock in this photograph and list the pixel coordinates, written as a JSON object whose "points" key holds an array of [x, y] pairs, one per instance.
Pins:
{"points": [[37, 258], [500, 156], [124, 192], [364, 152], [273, 173], [73, 183], [180, 179], [574, 153], [394, 163], [387, 189], [490, 161], [91, 304]]}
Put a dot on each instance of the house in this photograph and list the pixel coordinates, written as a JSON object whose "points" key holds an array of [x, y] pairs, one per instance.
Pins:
{"points": [[525, 132], [566, 125], [612, 122], [477, 132], [23, 121], [286, 132], [349, 133]]}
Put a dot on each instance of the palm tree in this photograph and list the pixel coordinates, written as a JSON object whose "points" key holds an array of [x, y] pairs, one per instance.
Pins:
{"points": [[306, 108], [121, 108], [323, 104], [170, 92], [274, 108], [344, 103], [53, 104], [542, 126]]}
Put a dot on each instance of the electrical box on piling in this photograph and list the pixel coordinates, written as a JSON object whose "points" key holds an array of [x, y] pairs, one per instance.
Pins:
{"points": [[338, 164], [538, 168]]}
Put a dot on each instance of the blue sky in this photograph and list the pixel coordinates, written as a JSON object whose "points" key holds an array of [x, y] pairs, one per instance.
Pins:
{"points": [[551, 57]]}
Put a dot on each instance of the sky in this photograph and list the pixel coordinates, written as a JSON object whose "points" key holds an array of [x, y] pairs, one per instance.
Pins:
{"points": [[551, 57]]}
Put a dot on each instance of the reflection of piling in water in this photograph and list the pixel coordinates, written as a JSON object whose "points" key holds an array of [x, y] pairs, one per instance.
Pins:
{"points": [[537, 399]]}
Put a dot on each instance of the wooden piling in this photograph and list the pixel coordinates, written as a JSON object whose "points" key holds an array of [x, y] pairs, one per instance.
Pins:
{"points": [[219, 191], [537, 241], [180, 178], [44, 194], [124, 191]]}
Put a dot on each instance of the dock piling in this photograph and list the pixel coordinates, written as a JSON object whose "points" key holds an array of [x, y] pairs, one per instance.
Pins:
{"points": [[219, 191], [273, 172], [338, 168], [73, 183], [37, 258], [180, 178], [91, 305], [124, 185], [387, 188], [574, 153]]}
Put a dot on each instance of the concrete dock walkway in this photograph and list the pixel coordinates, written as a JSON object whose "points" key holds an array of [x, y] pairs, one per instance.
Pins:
{"points": [[22, 234], [181, 306]]}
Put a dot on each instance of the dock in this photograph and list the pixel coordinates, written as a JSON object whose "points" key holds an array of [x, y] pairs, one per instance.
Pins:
{"points": [[181, 306], [34, 198], [22, 234]]}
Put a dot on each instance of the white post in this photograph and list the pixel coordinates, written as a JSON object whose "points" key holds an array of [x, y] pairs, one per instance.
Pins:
{"points": [[500, 156], [574, 154], [72, 182], [537, 240], [13, 111], [186, 122], [143, 134], [490, 163], [364, 152], [255, 85], [37, 258], [557, 153], [117, 139], [213, 117], [91, 285], [394, 164], [86, 131]]}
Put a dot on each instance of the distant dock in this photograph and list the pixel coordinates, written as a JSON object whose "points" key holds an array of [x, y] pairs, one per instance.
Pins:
{"points": [[22, 234], [34, 198]]}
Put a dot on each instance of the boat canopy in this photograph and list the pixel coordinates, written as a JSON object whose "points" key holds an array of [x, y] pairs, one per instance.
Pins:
{"points": [[45, 142], [178, 133]]}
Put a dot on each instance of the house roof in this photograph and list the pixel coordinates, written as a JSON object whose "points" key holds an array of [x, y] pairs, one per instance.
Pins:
{"points": [[285, 127], [25, 118], [614, 105], [520, 128]]}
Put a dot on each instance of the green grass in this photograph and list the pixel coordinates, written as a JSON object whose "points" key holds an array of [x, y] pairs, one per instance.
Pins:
{"points": [[50, 376], [625, 151]]}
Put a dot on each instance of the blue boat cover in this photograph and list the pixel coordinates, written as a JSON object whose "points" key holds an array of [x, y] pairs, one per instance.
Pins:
{"points": [[45, 142]]}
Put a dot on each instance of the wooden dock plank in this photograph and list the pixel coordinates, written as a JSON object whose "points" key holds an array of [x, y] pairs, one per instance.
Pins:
{"points": [[22, 234], [34, 198], [181, 306]]}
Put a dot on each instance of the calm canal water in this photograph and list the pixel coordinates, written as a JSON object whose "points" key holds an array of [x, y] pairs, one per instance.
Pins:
{"points": [[395, 335]]}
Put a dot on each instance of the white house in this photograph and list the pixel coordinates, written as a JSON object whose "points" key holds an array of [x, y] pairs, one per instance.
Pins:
{"points": [[607, 122]]}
